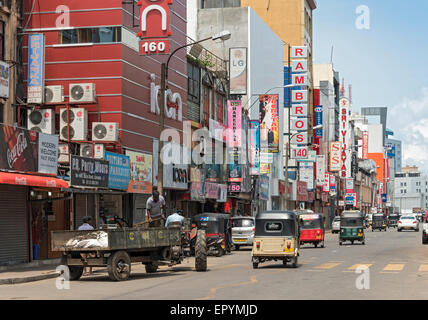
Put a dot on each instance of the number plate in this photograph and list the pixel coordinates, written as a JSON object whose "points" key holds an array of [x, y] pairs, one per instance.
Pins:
{"points": [[240, 240]]}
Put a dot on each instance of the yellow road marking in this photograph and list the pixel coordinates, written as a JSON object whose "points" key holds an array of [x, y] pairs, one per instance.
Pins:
{"points": [[423, 268], [213, 291], [355, 266], [328, 265], [394, 267]]}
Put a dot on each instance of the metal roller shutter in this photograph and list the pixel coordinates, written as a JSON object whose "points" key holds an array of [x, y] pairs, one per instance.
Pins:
{"points": [[13, 225]]}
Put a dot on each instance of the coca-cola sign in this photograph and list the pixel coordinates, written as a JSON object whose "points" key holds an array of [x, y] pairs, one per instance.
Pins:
{"points": [[18, 149]]}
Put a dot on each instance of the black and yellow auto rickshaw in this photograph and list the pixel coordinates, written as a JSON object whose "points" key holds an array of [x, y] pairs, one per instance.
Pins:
{"points": [[379, 222], [276, 238], [218, 228], [393, 219], [351, 227]]}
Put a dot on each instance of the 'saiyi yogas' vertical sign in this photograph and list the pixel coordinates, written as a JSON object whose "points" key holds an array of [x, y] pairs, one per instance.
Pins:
{"points": [[36, 68]]}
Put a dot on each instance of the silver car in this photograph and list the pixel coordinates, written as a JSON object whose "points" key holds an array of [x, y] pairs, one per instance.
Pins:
{"points": [[335, 226], [243, 229]]}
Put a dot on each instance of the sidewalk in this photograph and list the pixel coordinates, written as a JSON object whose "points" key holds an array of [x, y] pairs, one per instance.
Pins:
{"points": [[28, 272]]}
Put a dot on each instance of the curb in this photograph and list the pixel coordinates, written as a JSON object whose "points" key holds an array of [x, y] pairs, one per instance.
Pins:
{"points": [[29, 279]]}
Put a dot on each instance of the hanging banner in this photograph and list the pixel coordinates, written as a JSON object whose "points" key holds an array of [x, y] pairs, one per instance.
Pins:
{"points": [[36, 68], [211, 190], [302, 191], [320, 170], [222, 193], [254, 146], [335, 156], [326, 186], [264, 188], [332, 183], [234, 108], [48, 153], [212, 172], [197, 184], [141, 172], [238, 70], [306, 174], [344, 134], [4, 79], [365, 145], [269, 123], [318, 121], [234, 172], [119, 170], [349, 185]]}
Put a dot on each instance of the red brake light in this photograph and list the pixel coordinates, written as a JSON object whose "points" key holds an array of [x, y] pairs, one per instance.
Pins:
{"points": [[399, 221], [288, 245], [254, 229], [258, 244], [414, 222]]}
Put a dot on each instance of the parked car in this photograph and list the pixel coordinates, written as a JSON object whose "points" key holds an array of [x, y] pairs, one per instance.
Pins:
{"points": [[335, 226], [408, 222], [243, 229]]}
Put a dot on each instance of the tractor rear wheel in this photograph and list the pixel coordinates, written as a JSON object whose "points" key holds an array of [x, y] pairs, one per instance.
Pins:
{"points": [[201, 251]]}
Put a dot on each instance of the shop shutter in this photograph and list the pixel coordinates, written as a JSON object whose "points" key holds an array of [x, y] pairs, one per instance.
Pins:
{"points": [[14, 243], [193, 111]]}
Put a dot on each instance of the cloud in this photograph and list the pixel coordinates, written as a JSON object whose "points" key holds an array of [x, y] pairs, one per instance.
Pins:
{"points": [[409, 121]]}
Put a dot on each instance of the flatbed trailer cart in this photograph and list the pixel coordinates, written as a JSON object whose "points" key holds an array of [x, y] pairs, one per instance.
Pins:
{"points": [[116, 249]]}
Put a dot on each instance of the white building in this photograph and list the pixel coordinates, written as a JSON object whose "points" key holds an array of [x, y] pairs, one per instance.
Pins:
{"points": [[265, 64], [411, 190]]}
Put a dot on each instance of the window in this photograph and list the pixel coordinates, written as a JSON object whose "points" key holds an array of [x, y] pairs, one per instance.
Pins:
{"points": [[90, 35], [273, 226], [2, 41], [242, 223], [193, 82]]}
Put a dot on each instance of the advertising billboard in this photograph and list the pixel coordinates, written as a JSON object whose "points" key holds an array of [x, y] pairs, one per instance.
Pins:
{"points": [[119, 170], [335, 154], [269, 123], [141, 172], [235, 123], [36, 68], [254, 146], [238, 70]]}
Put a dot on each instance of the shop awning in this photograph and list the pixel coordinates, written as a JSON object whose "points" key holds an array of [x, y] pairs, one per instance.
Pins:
{"points": [[31, 180]]}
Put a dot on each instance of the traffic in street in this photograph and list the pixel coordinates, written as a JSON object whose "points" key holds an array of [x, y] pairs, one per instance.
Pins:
{"points": [[397, 268]]}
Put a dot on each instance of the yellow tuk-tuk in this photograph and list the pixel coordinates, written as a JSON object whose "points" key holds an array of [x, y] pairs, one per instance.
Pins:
{"points": [[276, 238]]}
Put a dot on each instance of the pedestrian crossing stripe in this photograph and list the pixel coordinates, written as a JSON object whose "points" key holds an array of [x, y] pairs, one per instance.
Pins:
{"points": [[394, 267], [423, 268], [328, 265], [355, 266]]}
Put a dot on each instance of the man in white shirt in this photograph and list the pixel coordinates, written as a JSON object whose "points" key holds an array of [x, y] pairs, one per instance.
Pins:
{"points": [[86, 225], [175, 217], [156, 210]]}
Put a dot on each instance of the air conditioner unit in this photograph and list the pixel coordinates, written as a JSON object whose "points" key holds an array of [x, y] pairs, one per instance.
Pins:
{"points": [[42, 120], [54, 94], [82, 92], [63, 153], [78, 120], [105, 131], [92, 151]]}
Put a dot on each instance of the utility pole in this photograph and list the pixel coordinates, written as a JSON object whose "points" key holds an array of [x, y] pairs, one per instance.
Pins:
{"points": [[161, 126]]}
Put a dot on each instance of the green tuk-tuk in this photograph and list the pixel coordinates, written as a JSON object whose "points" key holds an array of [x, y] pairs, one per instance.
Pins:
{"points": [[351, 227]]}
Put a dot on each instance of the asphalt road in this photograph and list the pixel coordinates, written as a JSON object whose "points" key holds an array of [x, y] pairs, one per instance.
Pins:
{"points": [[397, 269]]}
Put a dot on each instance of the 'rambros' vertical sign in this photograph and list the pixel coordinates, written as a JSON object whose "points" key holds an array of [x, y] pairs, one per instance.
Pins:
{"points": [[154, 26]]}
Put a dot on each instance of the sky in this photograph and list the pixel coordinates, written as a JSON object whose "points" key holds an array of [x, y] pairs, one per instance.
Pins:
{"points": [[386, 64]]}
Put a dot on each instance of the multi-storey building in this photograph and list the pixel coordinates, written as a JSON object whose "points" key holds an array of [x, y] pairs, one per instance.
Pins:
{"points": [[411, 189]]}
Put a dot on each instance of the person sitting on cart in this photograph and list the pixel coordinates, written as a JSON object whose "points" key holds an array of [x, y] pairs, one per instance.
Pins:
{"points": [[156, 210], [175, 217], [86, 226]]}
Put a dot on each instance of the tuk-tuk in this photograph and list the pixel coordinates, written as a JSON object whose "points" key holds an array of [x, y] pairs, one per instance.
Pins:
{"points": [[379, 222], [392, 220], [313, 230], [351, 227], [218, 228], [276, 238]]}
